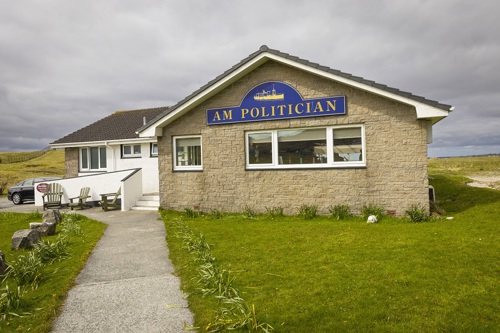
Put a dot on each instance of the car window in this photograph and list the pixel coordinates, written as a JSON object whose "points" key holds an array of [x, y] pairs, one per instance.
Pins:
{"points": [[28, 182]]}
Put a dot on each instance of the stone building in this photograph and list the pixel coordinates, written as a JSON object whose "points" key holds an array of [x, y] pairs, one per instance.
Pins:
{"points": [[279, 131]]}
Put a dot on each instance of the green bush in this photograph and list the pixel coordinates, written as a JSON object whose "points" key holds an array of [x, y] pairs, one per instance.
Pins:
{"points": [[275, 212], [417, 213], [372, 209], [191, 213], [26, 270], [308, 212], [340, 212], [216, 214], [11, 302], [248, 213], [49, 252]]}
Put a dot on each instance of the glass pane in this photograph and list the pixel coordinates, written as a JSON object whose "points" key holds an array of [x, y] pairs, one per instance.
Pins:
{"points": [[137, 149], [94, 158], [188, 151], [85, 161], [127, 150], [260, 148], [103, 157], [306, 146], [154, 149], [347, 145]]}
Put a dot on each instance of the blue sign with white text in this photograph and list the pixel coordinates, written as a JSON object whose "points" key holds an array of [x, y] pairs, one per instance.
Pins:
{"points": [[274, 101]]}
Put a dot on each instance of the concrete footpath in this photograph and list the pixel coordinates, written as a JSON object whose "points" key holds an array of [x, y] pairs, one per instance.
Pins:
{"points": [[127, 284]]}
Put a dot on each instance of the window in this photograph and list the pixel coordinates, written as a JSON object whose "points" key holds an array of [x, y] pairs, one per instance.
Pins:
{"points": [[187, 153], [154, 149], [131, 151], [93, 158], [325, 147]]}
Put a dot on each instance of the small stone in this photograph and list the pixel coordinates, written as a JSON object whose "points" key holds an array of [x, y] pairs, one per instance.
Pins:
{"points": [[52, 216], [3, 264], [44, 228], [25, 239], [372, 219]]}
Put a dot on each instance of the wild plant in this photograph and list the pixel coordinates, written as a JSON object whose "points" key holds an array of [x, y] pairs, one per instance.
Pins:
{"points": [[48, 252], [372, 209], [248, 212], [70, 224], [308, 212], [216, 214], [340, 212], [26, 270], [11, 301], [237, 315], [191, 213], [214, 280], [275, 212], [417, 213]]}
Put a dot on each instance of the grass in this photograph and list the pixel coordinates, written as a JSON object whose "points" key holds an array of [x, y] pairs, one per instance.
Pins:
{"points": [[49, 164], [42, 303], [329, 275]]}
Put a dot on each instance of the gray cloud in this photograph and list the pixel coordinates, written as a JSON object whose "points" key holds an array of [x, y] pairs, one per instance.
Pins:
{"points": [[65, 64]]}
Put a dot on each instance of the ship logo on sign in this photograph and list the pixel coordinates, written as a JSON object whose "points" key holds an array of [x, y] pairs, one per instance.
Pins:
{"points": [[267, 95]]}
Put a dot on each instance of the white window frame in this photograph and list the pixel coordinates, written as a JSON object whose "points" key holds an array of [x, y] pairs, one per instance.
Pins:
{"points": [[175, 154], [330, 150], [89, 159], [132, 153], [154, 153]]}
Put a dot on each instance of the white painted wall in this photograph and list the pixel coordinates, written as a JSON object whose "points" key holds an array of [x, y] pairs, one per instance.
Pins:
{"points": [[148, 164], [130, 182]]}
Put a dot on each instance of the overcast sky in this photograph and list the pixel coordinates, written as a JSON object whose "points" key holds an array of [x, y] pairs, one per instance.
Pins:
{"points": [[66, 64]]}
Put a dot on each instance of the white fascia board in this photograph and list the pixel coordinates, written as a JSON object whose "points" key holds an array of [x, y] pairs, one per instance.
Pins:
{"points": [[102, 143], [155, 129], [424, 111]]}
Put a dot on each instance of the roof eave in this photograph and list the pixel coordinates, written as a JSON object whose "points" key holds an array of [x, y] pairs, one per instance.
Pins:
{"points": [[424, 111], [101, 143]]}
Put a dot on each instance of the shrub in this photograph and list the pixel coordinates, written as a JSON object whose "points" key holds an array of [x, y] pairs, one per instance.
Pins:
{"points": [[275, 212], [49, 252], [191, 213], [372, 209], [26, 270], [248, 212], [71, 224], [11, 301], [216, 214], [417, 213], [340, 212], [308, 212]]}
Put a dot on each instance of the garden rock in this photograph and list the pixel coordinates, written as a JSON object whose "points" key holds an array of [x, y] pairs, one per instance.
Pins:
{"points": [[44, 228], [25, 239], [3, 264], [52, 216]]}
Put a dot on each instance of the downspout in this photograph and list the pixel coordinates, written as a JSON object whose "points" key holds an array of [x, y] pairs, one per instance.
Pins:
{"points": [[113, 161]]}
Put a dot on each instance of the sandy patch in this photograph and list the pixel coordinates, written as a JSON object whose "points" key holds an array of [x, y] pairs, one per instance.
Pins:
{"points": [[485, 180]]}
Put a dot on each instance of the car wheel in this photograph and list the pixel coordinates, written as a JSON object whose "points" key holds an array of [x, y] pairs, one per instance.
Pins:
{"points": [[16, 199]]}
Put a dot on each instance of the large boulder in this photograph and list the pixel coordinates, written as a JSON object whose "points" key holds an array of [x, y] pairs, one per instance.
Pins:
{"points": [[52, 216], [44, 228], [3, 264], [25, 239]]}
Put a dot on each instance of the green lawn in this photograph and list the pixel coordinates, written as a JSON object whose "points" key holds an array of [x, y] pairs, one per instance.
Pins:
{"points": [[57, 278], [325, 275]]}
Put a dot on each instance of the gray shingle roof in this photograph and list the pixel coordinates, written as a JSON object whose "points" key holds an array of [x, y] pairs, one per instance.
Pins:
{"points": [[117, 126], [264, 49]]}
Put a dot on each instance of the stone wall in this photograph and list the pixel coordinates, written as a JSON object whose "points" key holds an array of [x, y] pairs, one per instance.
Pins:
{"points": [[71, 156], [395, 175]]}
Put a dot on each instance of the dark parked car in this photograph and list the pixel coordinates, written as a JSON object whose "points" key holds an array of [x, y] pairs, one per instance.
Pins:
{"points": [[25, 190]]}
